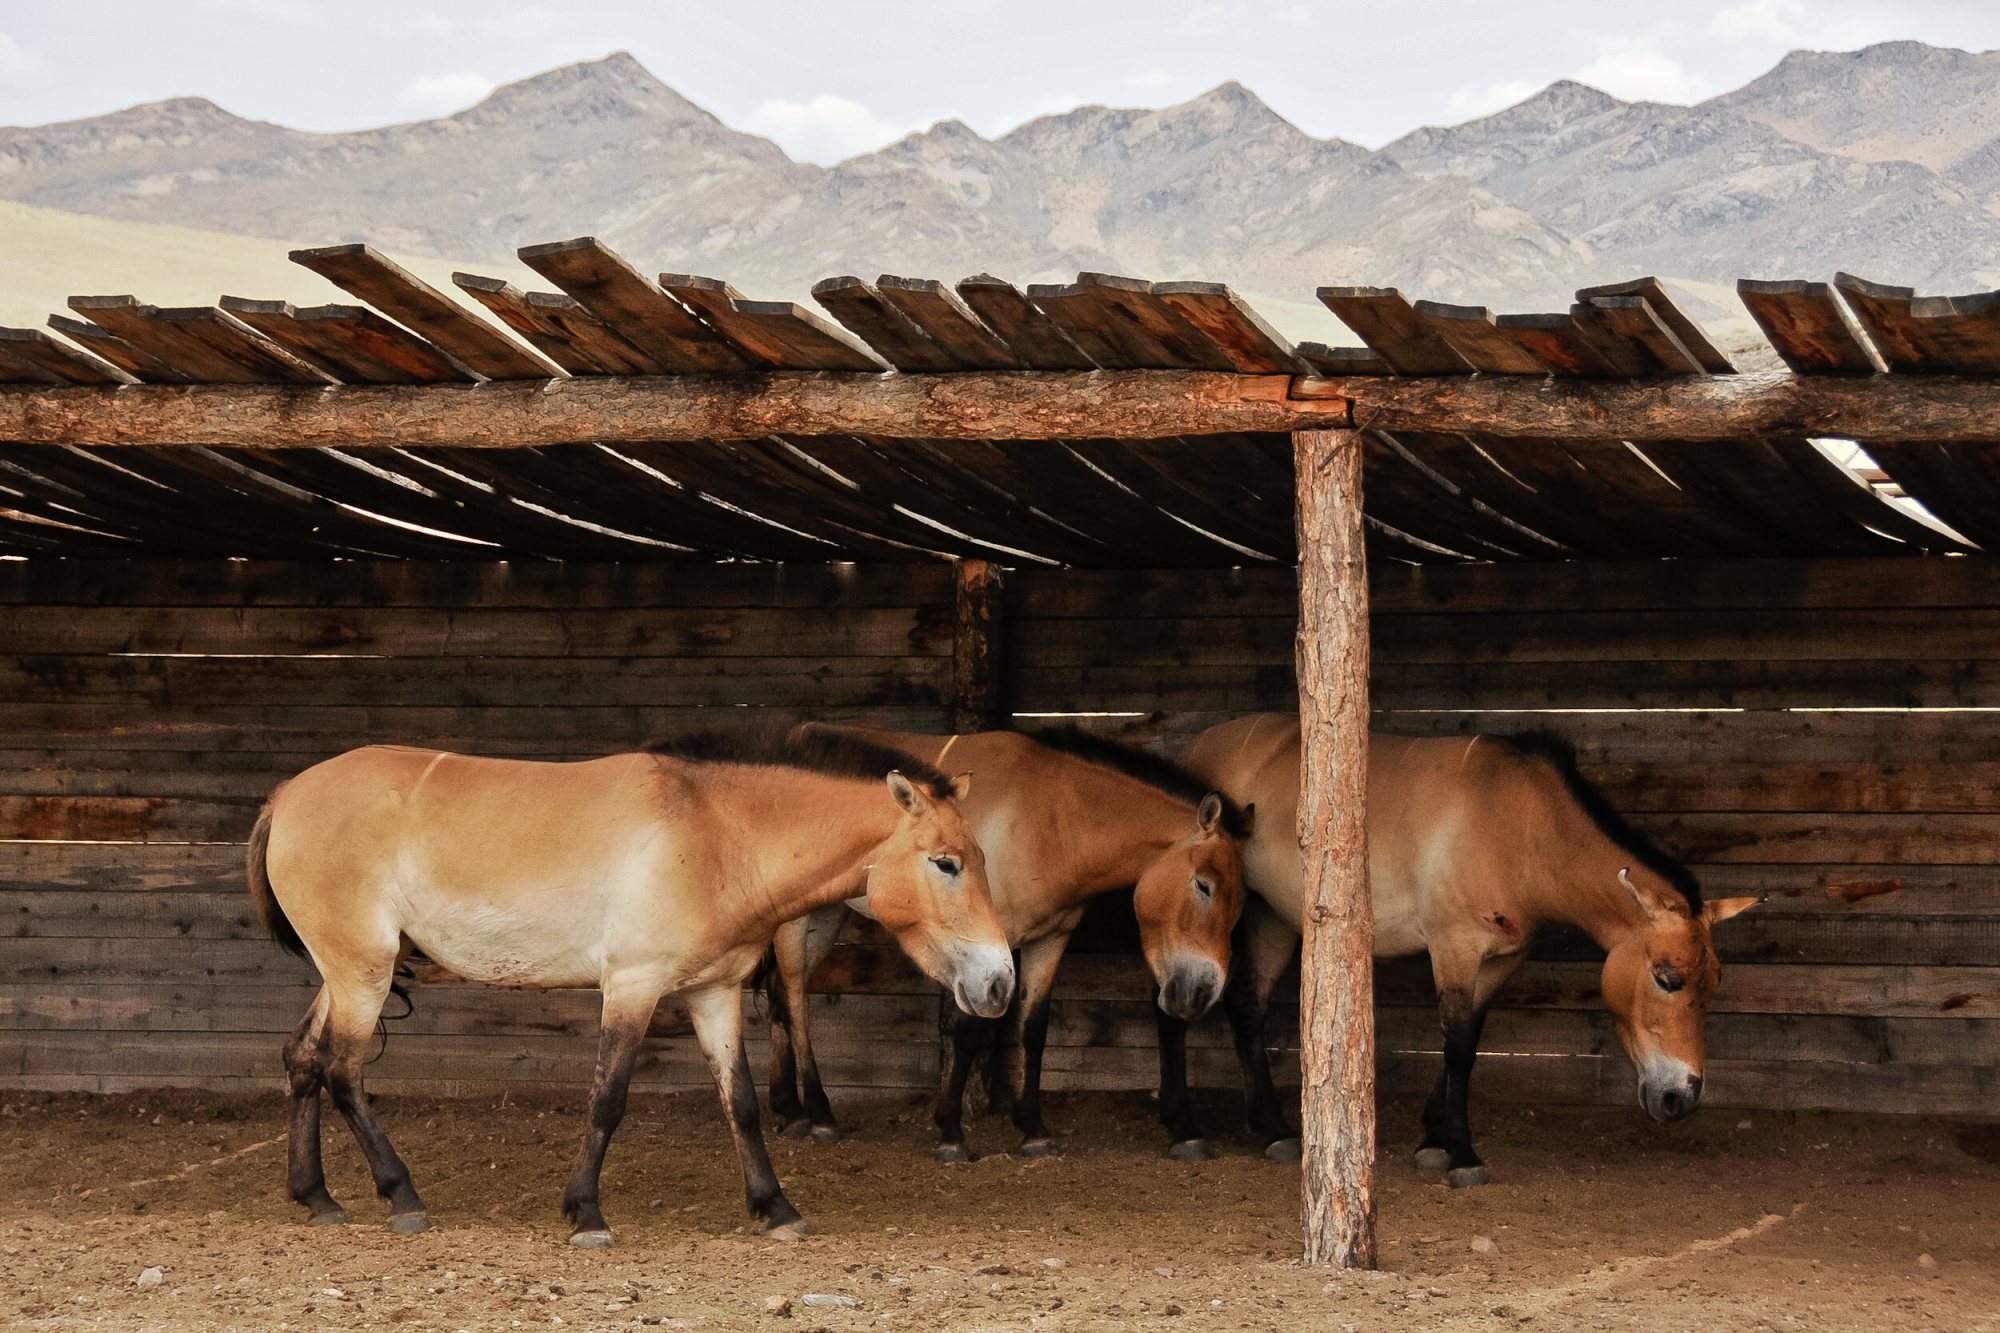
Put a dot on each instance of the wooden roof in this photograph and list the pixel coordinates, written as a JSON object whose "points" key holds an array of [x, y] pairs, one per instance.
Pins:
{"points": [[1220, 499]]}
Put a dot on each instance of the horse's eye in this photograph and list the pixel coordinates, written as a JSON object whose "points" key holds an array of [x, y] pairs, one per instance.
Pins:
{"points": [[947, 866], [1203, 889], [1668, 979]]}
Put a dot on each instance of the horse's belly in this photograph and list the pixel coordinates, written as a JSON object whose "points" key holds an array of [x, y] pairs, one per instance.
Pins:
{"points": [[511, 949]]}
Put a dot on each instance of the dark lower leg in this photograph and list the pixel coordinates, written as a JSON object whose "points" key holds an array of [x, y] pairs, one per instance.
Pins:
{"points": [[1462, 1026], [616, 1049], [817, 1108], [1176, 1105], [760, 1180], [1028, 1098], [1247, 1002], [961, 1040], [306, 1174], [785, 1104], [392, 1177]]}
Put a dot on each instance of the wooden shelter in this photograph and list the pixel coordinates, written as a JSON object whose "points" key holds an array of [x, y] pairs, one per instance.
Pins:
{"points": [[250, 535]]}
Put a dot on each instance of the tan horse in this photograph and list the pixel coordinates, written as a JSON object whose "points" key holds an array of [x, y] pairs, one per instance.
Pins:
{"points": [[1063, 816], [643, 875], [1473, 846]]}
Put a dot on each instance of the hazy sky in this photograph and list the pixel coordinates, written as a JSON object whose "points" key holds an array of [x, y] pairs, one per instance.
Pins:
{"points": [[829, 78]]}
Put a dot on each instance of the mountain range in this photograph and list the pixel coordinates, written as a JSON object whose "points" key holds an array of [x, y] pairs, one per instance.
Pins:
{"points": [[1883, 161]]}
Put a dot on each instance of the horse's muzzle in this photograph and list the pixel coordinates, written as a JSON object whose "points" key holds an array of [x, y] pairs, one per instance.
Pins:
{"points": [[1190, 987], [983, 981], [1671, 1099]]}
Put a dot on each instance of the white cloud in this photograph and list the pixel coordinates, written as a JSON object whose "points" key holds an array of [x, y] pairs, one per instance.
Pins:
{"points": [[1296, 16], [1151, 80], [299, 12], [522, 24], [1637, 69], [14, 62], [826, 129], [1794, 23], [1476, 100], [442, 94], [426, 24]]}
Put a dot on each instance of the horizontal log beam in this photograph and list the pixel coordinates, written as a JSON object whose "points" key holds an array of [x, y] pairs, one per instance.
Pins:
{"points": [[1022, 405]]}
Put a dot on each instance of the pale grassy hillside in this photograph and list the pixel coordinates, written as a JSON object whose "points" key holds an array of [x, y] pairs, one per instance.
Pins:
{"points": [[47, 257]]}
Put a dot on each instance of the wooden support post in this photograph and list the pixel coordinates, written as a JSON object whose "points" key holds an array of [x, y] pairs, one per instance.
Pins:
{"points": [[1336, 975], [976, 686]]}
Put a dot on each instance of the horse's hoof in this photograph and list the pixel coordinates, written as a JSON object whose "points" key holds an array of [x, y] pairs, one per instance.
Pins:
{"points": [[1465, 1177], [328, 1217], [797, 1129], [1432, 1159], [953, 1152], [409, 1224], [598, 1238], [1284, 1150], [1190, 1150], [1042, 1147], [826, 1133], [790, 1232]]}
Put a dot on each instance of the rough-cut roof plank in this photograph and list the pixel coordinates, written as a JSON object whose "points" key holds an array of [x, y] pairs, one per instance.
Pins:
{"points": [[949, 322], [1123, 325], [1810, 327], [777, 335], [1631, 337], [349, 342], [1342, 361], [1946, 482], [633, 305], [140, 364], [36, 358], [259, 359], [1030, 334], [1225, 319], [1556, 342], [885, 329], [426, 311], [204, 345], [1388, 324], [1471, 331], [1690, 333], [556, 326]]}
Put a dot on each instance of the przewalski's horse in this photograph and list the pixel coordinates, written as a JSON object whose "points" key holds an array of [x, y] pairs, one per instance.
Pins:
{"points": [[643, 875], [1063, 816], [1473, 845]]}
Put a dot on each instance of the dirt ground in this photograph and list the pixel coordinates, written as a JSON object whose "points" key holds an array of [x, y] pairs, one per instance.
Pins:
{"points": [[1595, 1220]]}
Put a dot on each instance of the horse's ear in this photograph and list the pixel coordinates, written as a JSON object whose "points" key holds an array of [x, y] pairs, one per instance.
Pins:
{"points": [[1209, 813], [1653, 910], [961, 786], [907, 794], [1721, 909]]}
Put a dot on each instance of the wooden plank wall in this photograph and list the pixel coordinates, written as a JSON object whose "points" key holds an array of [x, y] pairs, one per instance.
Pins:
{"points": [[148, 709], [1824, 733], [1810, 731]]}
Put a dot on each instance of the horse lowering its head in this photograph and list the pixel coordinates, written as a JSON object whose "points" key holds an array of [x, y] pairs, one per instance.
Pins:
{"points": [[1188, 898], [1660, 968], [926, 882]]}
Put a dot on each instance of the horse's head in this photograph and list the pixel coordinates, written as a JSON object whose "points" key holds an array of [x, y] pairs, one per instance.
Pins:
{"points": [[927, 886], [1658, 981], [1187, 902]]}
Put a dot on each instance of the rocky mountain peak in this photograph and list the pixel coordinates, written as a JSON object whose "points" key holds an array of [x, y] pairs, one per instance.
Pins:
{"points": [[614, 88]]}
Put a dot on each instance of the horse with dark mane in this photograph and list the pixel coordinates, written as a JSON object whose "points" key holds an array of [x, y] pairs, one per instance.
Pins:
{"points": [[644, 875], [1474, 845], [1063, 817]]}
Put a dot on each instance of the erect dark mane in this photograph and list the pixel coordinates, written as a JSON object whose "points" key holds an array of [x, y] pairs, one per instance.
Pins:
{"points": [[813, 749], [1560, 755], [1144, 765]]}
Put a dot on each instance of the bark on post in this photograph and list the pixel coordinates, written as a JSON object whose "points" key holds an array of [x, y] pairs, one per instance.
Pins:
{"points": [[1336, 977], [975, 647]]}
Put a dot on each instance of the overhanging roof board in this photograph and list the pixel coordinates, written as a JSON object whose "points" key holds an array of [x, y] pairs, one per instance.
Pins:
{"points": [[1436, 493]]}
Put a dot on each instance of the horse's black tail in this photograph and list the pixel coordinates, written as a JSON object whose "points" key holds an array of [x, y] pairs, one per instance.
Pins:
{"points": [[404, 972], [258, 872]]}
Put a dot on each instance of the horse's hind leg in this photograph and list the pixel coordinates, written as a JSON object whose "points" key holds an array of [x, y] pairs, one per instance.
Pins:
{"points": [[627, 1014], [1266, 946], [305, 1072], [355, 1005], [1039, 961], [799, 952], [1465, 986], [718, 1026]]}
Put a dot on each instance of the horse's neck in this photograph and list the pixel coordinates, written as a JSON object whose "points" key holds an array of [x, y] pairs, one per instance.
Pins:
{"points": [[804, 840], [1577, 884], [1111, 827]]}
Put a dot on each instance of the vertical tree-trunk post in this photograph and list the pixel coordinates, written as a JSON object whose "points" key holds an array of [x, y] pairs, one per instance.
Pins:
{"points": [[976, 660], [1336, 976]]}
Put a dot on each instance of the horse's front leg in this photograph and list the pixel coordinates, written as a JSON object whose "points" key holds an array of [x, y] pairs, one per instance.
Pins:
{"points": [[718, 1026], [1266, 945], [1465, 987], [628, 1012], [1037, 972]]}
